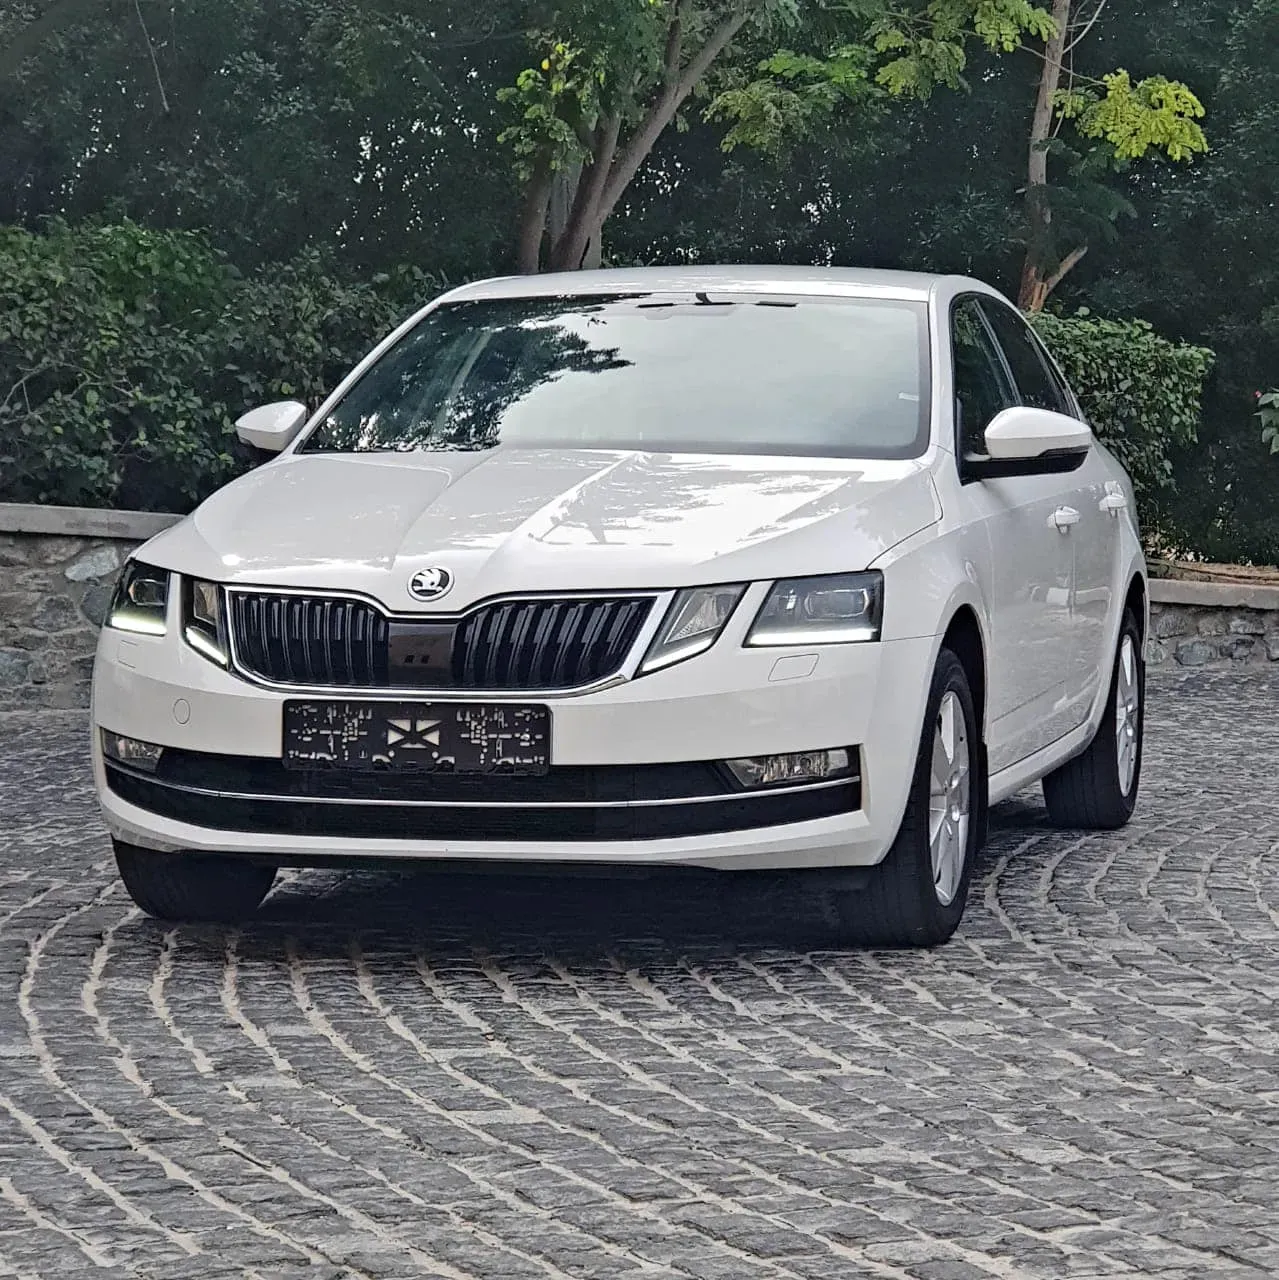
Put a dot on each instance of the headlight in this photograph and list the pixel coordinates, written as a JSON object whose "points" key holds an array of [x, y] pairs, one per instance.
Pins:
{"points": [[692, 624], [204, 619], [140, 600], [842, 608]]}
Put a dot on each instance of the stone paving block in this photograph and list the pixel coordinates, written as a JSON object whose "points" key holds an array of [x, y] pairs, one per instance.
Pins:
{"points": [[491, 1079]]}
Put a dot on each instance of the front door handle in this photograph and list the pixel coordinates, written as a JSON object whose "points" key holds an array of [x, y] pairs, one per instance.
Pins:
{"points": [[1114, 503], [1063, 519]]}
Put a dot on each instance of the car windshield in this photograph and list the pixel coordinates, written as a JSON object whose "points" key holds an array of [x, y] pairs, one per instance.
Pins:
{"points": [[679, 373]]}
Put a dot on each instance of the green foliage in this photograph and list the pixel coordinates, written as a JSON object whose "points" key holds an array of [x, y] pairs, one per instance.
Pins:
{"points": [[929, 41], [863, 53], [126, 354], [793, 93], [599, 58], [1268, 412], [1141, 392], [554, 99], [338, 123], [1155, 114]]}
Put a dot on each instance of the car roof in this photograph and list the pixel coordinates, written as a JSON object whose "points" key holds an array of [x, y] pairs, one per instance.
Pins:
{"points": [[839, 282]]}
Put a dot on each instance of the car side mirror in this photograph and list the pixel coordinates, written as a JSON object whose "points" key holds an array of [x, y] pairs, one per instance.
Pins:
{"points": [[1030, 442], [272, 427]]}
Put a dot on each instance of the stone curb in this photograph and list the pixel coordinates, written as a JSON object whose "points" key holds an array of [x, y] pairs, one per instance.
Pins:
{"points": [[1214, 595], [83, 522]]}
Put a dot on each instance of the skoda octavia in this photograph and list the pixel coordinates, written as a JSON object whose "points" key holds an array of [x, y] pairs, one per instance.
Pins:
{"points": [[738, 568]]}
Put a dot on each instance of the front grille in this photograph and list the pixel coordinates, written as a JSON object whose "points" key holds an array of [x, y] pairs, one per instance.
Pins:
{"points": [[513, 644], [305, 640], [506, 823]]}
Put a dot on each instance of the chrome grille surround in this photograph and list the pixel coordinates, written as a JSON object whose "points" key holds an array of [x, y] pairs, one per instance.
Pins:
{"points": [[313, 639]]}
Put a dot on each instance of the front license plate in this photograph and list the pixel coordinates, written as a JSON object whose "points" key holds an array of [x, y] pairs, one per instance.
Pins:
{"points": [[422, 737]]}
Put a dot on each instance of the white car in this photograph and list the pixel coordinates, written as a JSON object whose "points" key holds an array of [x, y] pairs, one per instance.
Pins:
{"points": [[756, 568]]}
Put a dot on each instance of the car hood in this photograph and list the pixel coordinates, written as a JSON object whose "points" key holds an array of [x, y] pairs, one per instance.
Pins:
{"points": [[517, 520]]}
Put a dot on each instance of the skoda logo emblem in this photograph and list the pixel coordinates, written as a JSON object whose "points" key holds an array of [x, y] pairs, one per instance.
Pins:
{"points": [[430, 584]]}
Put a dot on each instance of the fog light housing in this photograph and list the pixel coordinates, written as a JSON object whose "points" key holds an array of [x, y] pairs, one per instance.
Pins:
{"points": [[135, 753], [794, 768]]}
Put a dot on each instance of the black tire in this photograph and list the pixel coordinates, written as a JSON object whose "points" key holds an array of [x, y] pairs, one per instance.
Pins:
{"points": [[1087, 794], [900, 905], [193, 886]]}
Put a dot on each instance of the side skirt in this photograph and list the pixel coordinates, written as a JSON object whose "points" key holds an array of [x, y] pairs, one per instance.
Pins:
{"points": [[1009, 781]]}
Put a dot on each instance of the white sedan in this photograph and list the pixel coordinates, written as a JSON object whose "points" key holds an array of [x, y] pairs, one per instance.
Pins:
{"points": [[755, 568]]}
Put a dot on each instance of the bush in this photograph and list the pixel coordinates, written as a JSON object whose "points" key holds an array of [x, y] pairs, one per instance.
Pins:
{"points": [[1141, 392], [126, 354]]}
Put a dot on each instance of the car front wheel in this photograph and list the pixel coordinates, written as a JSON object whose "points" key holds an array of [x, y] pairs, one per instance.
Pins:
{"points": [[916, 896], [1097, 791], [190, 886]]}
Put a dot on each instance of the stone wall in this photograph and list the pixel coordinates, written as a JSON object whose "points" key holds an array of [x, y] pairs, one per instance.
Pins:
{"points": [[1197, 624], [58, 566]]}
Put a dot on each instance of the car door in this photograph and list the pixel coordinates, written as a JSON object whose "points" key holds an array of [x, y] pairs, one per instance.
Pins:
{"points": [[1028, 575], [1088, 491]]}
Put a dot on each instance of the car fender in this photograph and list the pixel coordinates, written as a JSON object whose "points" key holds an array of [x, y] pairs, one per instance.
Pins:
{"points": [[914, 613], [1135, 567], [928, 579]]}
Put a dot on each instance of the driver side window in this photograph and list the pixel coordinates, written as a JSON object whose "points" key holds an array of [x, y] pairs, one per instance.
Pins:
{"points": [[982, 387]]}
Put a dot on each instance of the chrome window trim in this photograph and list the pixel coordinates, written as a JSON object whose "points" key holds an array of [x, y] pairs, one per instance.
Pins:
{"points": [[484, 804], [660, 602]]}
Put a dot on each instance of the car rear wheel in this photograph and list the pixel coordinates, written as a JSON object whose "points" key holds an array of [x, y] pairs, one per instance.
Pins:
{"points": [[916, 896], [1097, 791], [192, 886]]}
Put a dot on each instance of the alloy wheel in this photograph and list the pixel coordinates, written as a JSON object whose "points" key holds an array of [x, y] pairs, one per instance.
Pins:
{"points": [[950, 798], [1127, 714]]}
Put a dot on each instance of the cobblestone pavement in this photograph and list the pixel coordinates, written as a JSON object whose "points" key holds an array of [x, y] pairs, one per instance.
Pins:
{"points": [[500, 1078]]}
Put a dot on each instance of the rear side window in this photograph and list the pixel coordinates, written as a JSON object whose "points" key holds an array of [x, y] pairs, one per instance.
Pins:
{"points": [[1036, 381]]}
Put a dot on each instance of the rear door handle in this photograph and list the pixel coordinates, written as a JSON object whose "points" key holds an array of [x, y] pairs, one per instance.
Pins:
{"points": [[1114, 503], [1063, 519]]}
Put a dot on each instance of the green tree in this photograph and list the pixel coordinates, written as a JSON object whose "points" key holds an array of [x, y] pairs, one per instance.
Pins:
{"points": [[1201, 265], [1116, 122], [610, 77], [366, 128]]}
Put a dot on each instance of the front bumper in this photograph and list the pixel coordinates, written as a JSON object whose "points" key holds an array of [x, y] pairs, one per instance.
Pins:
{"points": [[727, 703]]}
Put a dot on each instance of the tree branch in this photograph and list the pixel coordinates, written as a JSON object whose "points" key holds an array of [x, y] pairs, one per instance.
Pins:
{"points": [[667, 103], [1038, 209], [582, 220], [155, 66], [1068, 264], [1087, 28]]}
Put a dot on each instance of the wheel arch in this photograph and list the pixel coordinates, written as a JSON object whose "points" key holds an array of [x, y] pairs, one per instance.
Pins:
{"points": [[1138, 600], [963, 637]]}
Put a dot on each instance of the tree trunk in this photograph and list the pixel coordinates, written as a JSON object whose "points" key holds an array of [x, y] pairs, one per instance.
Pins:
{"points": [[559, 210], [537, 196], [1035, 273], [581, 229], [613, 164]]}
